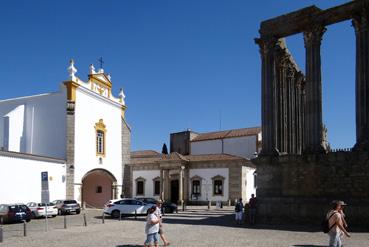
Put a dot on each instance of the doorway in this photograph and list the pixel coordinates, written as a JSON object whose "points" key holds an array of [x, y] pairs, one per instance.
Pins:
{"points": [[174, 191]]}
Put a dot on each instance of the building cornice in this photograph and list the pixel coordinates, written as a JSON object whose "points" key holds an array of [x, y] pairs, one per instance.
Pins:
{"points": [[31, 157]]}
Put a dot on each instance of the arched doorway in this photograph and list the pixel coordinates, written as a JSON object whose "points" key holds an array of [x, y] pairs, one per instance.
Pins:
{"points": [[98, 186]]}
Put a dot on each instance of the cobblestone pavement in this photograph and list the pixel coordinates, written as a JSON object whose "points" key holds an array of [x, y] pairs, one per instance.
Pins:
{"points": [[195, 227]]}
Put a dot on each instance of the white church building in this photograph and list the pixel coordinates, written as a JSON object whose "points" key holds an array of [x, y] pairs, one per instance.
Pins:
{"points": [[78, 135]]}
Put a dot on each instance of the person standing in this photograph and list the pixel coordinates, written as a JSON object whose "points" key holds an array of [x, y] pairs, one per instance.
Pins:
{"points": [[336, 224], [239, 211], [252, 208], [152, 228], [158, 213]]}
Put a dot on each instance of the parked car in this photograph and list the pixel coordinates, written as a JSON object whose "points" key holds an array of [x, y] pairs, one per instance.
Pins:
{"points": [[38, 209], [10, 213], [67, 206], [167, 207], [117, 207]]}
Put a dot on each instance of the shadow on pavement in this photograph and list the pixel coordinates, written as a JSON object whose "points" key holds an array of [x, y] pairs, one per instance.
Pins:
{"points": [[309, 245]]}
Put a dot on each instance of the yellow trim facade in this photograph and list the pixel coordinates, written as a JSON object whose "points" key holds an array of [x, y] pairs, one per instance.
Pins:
{"points": [[100, 127], [71, 90]]}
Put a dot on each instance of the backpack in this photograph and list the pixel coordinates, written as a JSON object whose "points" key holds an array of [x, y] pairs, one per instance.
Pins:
{"points": [[238, 207], [325, 224]]}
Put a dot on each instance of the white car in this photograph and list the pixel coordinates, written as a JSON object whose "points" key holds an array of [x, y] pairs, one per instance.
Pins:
{"points": [[38, 209], [117, 207]]}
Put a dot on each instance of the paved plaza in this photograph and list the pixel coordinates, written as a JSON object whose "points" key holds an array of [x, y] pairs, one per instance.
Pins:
{"points": [[195, 227]]}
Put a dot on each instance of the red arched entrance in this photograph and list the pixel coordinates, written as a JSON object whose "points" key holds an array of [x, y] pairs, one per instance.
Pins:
{"points": [[98, 187]]}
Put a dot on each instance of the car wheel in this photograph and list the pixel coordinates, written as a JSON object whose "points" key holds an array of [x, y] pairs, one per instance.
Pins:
{"points": [[115, 214], [78, 211], [34, 215], [28, 220], [59, 212], [54, 215]]}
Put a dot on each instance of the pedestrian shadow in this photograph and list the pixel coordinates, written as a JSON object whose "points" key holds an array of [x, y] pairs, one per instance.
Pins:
{"points": [[309, 245], [129, 245]]}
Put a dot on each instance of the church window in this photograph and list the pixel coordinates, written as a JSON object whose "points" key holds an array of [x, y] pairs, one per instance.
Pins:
{"points": [[100, 138], [156, 186], [140, 186], [99, 189], [218, 185], [196, 188]]}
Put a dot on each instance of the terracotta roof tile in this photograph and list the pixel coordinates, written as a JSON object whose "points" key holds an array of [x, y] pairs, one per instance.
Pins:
{"points": [[227, 134]]}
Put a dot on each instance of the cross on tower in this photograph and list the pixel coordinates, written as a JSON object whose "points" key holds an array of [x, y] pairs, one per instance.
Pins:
{"points": [[101, 62]]}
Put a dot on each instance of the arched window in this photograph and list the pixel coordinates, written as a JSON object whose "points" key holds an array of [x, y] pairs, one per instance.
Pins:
{"points": [[100, 138]]}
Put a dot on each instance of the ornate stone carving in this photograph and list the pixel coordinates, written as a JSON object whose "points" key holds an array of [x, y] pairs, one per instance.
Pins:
{"points": [[314, 35]]}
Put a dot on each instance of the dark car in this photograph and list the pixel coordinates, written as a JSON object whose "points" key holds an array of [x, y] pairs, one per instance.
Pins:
{"points": [[167, 207], [67, 206], [10, 213]]}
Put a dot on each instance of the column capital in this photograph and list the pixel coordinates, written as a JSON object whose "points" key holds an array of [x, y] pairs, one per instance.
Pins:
{"points": [[360, 20], [314, 35], [266, 44]]}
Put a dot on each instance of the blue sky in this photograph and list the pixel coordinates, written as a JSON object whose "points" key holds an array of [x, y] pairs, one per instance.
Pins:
{"points": [[182, 63]]}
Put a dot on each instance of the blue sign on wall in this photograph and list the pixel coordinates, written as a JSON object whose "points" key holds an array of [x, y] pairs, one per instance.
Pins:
{"points": [[44, 176]]}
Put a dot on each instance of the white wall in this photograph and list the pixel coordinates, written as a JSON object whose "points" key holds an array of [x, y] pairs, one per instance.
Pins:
{"points": [[248, 182], [206, 183], [89, 109], [15, 128], [148, 175], [21, 180], [206, 147], [240, 146], [44, 125]]}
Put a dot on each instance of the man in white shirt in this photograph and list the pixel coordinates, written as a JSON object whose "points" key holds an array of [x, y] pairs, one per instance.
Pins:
{"points": [[158, 213], [336, 224]]}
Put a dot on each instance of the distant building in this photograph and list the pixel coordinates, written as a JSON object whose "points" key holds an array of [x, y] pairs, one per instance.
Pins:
{"points": [[78, 135], [203, 167]]}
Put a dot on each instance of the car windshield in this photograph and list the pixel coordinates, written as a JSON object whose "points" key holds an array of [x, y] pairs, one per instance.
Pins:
{"points": [[70, 202], [44, 204]]}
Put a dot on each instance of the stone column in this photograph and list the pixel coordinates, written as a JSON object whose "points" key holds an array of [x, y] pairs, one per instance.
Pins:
{"points": [[360, 23], [267, 45], [181, 185], [313, 130], [162, 184], [166, 185]]}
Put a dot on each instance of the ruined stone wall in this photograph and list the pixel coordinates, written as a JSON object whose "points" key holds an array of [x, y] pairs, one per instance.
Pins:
{"points": [[299, 188]]}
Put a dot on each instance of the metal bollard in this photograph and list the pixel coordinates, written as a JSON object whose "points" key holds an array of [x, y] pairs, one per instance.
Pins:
{"points": [[24, 228], [1, 234], [103, 218], [209, 205], [65, 222], [183, 206], [84, 220], [135, 214], [120, 216]]}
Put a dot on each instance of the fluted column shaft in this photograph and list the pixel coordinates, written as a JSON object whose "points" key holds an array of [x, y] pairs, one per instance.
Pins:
{"points": [[313, 141], [360, 23], [267, 94]]}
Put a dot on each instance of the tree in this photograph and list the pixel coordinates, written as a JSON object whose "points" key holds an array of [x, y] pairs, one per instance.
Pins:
{"points": [[164, 150]]}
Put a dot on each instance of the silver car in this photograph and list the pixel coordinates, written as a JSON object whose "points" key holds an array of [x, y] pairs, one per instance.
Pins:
{"points": [[39, 209]]}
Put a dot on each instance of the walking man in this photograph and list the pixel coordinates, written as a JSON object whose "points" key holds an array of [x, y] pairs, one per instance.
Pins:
{"points": [[336, 224], [158, 212], [252, 208], [239, 211]]}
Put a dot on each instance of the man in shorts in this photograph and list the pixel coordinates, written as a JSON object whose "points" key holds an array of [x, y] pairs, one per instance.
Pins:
{"points": [[158, 213]]}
